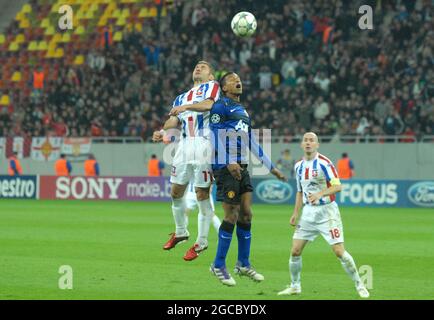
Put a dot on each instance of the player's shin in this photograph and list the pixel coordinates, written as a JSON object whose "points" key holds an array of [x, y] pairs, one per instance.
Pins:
{"points": [[224, 242], [295, 265], [349, 266], [204, 220], [244, 239], [178, 210]]}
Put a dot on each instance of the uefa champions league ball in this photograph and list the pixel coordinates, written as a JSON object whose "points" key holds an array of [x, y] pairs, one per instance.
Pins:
{"points": [[244, 24]]}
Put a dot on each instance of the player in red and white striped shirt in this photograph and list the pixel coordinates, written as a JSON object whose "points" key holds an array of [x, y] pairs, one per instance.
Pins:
{"points": [[317, 184], [189, 162]]}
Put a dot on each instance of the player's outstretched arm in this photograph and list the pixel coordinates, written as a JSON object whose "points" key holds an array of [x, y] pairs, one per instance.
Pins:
{"points": [[264, 158], [202, 106]]}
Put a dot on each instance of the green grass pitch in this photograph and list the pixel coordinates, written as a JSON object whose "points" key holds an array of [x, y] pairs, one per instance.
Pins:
{"points": [[115, 251]]}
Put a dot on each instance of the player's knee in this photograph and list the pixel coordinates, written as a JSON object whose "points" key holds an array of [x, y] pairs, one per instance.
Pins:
{"points": [[245, 217], [232, 218], [295, 252], [176, 194], [339, 251], [202, 194], [231, 213]]}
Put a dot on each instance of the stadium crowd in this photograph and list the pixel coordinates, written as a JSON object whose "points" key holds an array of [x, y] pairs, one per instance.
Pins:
{"points": [[308, 66]]}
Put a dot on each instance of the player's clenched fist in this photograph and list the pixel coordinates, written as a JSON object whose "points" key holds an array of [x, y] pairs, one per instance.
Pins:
{"points": [[157, 136]]}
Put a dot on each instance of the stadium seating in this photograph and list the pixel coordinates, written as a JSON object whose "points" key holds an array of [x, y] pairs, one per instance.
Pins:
{"points": [[341, 84]]}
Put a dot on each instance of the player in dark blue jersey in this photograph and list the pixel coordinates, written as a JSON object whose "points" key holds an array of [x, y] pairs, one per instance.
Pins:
{"points": [[232, 137]]}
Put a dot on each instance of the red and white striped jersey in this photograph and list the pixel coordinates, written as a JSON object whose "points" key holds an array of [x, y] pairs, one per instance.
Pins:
{"points": [[315, 175], [196, 124]]}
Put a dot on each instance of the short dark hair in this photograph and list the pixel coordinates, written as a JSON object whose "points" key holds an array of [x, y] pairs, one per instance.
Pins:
{"points": [[211, 68], [223, 80], [154, 156], [344, 155], [62, 155]]}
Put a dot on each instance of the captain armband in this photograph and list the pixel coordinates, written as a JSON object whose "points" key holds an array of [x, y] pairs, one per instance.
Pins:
{"points": [[335, 182]]}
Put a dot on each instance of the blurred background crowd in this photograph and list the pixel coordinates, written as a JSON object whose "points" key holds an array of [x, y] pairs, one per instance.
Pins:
{"points": [[309, 66]]}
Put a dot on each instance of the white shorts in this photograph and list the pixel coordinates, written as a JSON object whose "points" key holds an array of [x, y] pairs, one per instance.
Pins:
{"points": [[330, 228], [192, 162]]}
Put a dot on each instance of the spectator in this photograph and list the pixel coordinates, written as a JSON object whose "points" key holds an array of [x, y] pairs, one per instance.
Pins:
{"points": [[155, 167], [345, 167], [62, 166], [91, 167], [14, 165]]}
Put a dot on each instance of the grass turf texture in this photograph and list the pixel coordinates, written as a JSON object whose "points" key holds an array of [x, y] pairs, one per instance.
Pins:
{"points": [[115, 250]]}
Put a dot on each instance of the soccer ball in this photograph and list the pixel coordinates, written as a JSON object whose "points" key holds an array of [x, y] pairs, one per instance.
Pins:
{"points": [[244, 24]]}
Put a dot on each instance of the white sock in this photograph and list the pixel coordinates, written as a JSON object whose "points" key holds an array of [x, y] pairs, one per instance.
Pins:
{"points": [[295, 264], [349, 266], [204, 221], [186, 220], [216, 223], [178, 210]]}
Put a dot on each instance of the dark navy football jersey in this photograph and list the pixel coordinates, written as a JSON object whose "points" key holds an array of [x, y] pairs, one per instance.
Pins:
{"points": [[232, 135]]}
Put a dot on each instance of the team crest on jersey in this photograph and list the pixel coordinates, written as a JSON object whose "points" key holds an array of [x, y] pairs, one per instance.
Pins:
{"points": [[314, 173], [231, 194], [199, 92], [215, 118], [173, 173]]}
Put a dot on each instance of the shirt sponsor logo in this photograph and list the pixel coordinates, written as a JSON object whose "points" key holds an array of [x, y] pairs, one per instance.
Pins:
{"points": [[274, 191], [422, 194]]}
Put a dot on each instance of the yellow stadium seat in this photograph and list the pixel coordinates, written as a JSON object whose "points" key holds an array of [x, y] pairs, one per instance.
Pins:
{"points": [[121, 22], [102, 22], [138, 27], [66, 37], [4, 101], [14, 46], [144, 13], [89, 15], [116, 13], [118, 36], [16, 77], [20, 16], [80, 30], [153, 12], [42, 46], [33, 46], [79, 59], [59, 53], [50, 31], [45, 23], [56, 38], [2, 38], [27, 8], [24, 24], [80, 14], [94, 6], [19, 38], [125, 13]]}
